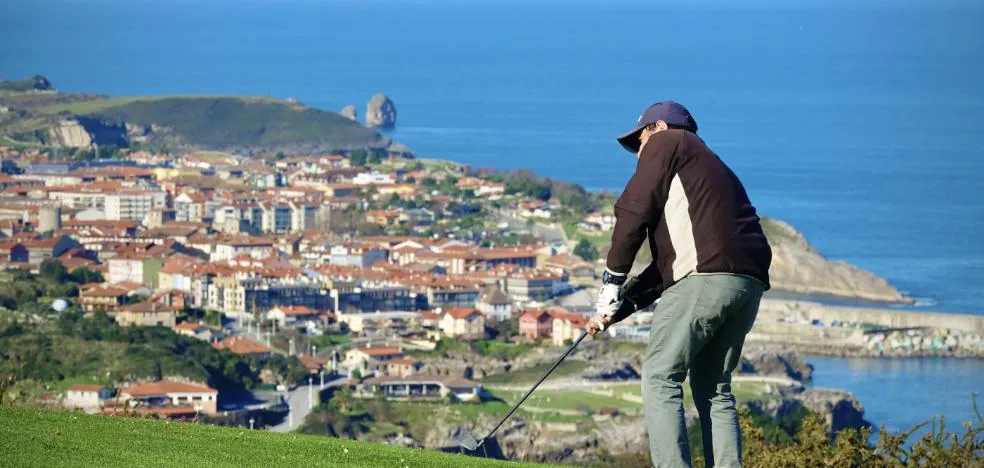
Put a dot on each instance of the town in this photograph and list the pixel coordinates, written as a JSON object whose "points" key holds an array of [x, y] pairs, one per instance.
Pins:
{"points": [[343, 263]]}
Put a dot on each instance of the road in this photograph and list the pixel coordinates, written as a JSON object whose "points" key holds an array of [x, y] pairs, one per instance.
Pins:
{"points": [[299, 402]]}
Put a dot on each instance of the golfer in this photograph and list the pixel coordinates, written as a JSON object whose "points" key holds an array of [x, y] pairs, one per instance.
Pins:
{"points": [[710, 266]]}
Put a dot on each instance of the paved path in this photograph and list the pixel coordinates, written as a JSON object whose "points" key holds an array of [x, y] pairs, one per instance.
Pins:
{"points": [[299, 402]]}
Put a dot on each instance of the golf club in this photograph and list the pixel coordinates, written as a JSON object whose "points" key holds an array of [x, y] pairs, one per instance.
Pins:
{"points": [[468, 441]]}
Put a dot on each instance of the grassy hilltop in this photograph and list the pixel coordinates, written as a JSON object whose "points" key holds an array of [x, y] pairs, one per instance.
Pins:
{"points": [[58, 438], [34, 111]]}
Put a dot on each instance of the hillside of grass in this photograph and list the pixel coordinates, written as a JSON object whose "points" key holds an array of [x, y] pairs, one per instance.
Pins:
{"points": [[240, 124], [54, 438], [231, 123], [33, 83]]}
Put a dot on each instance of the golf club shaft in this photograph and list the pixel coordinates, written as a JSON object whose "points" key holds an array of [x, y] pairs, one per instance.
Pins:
{"points": [[537, 384]]}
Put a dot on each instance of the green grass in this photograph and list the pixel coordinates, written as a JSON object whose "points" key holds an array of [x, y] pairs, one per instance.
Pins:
{"points": [[225, 123], [531, 374], [96, 105], [565, 400], [57, 438], [599, 239]]}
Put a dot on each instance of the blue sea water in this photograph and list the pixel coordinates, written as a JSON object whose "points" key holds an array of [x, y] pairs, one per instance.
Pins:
{"points": [[859, 122]]}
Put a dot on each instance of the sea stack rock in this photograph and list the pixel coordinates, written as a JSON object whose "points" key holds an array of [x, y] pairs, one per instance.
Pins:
{"points": [[349, 112], [381, 112]]}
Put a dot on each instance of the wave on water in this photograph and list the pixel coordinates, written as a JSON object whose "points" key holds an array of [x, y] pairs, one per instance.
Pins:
{"points": [[924, 302]]}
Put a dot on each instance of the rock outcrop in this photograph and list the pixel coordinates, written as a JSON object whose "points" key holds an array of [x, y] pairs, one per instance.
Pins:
{"points": [[798, 268], [839, 408], [776, 362], [380, 112], [69, 133], [350, 112]]}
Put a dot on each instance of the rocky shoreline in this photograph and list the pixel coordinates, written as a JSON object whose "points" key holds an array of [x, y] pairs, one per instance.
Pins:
{"points": [[840, 331]]}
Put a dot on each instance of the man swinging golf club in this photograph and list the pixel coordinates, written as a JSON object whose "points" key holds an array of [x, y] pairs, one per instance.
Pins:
{"points": [[710, 266]]}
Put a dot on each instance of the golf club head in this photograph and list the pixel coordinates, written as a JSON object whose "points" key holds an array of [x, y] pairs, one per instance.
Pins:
{"points": [[466, 440]]}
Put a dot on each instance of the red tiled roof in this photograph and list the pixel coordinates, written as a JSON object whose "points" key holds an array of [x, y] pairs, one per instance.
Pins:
{"points": [[429, 315], [164, 387], [404, 361], [189, 326], [462, 312], [295, 310], [381, 351]]}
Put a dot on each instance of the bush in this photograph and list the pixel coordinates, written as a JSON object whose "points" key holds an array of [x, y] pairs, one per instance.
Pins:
{"points": [[812, 446], [586, 250]]}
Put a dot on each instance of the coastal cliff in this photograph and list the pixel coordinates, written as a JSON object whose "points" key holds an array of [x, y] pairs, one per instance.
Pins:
{"points": [[33, 113], [799, 268]]}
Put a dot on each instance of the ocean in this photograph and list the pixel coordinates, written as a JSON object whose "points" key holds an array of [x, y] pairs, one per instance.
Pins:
{"points": [[855, 121]]}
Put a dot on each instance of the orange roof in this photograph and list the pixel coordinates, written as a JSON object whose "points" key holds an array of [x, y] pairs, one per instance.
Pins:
{"points": [[534, 314], [242, 345], [429, 315], [189, 326], [164, 387], [295, 310], [381, 350], [563, 314], [103, 290], [86, 388], [462, 312], [310, 363], [404, 361]]}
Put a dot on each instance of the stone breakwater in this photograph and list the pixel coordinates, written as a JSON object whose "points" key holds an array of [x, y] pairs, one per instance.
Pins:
{"points": [[816, 328]]}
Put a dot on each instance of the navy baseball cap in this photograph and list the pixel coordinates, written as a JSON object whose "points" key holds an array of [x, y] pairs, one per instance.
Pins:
{"points": [[673, 113]]}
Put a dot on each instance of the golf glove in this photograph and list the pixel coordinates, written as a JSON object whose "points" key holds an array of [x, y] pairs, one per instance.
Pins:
{"points": [[598, 324], [609, 301]]}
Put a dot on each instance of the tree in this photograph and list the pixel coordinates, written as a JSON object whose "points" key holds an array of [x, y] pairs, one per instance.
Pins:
{"points": [[53, 270], [280, 156], [83, 275], [376, 156], [358, 157], [586, 250]]}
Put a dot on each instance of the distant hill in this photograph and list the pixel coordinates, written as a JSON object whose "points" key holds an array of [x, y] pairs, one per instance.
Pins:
{"points": [[62, 438], [34, 83], [245, 125]]}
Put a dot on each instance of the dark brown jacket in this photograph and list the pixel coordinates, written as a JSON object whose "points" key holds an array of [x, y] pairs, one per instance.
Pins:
{"points": [[694, 211]]}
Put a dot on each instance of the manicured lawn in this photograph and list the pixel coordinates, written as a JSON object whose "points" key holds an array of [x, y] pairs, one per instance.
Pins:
{"points": [[532, 374], [564, 400], [31, 437]]}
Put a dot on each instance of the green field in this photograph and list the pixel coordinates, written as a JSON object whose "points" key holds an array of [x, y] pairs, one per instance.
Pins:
{"points": [[57, 438], [566, 400], [95, 105], [531, 374], [624, 396]]}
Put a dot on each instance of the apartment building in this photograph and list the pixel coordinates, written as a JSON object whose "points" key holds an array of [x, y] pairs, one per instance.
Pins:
{"points": [[133, 205]]}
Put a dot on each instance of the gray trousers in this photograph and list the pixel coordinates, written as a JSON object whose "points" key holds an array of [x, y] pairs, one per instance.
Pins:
{"points": [[698, 327]]}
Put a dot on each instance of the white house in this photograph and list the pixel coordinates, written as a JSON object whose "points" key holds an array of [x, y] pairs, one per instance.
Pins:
{"points": [[253, 246], [600, 221], [464, 323], [566, 326], [357, 358], [170, 393], [87, 397], [420, 387], [373, 178], [356, 254], [495, 304], [292, 316]]}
